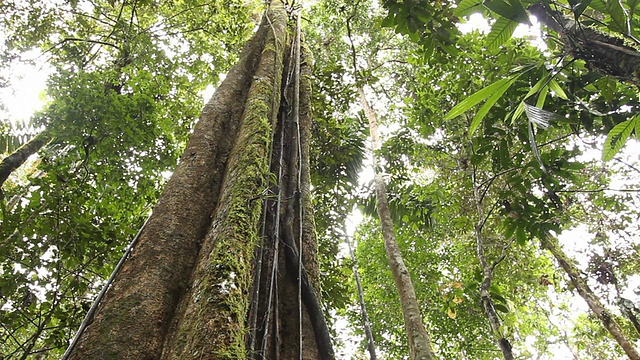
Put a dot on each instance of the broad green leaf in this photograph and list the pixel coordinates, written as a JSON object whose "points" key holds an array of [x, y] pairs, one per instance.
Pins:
{"points": [[598, 5], [502, 308], [618, 136], [521, 15], [489, 104], [542, 96], [632, 4], [521, 236], [501, 8], [534, 89], [555, 87], [501, 31], [478, 96], [618, 16], [467, 7]]}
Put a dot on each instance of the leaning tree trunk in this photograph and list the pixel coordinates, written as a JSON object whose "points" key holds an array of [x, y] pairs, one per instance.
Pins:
{"points": [[592, 300], [18, 157], [417, 336], [189, 287]]}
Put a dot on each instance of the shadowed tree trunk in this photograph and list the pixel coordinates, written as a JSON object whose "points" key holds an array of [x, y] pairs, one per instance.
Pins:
{"points": [[592, 300], [192, 284]]}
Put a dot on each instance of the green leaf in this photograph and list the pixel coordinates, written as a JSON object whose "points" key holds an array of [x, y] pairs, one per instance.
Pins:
{"points": [[534, 89], [502, 308], [521, 15], [598, 5], [480, 95], [495, 95], [555, 87], [542, 97], [632, 4], [501, 31], [579, 8], [499, 298], [618, 136], [467, 7], [487, 106], [618, 16], [521, 236], [512, 10], [501, 8]]}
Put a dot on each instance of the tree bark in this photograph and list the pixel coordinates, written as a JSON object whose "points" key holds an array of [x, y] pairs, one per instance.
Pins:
{"points": [[134, 318], [371, 346], [417, 336], [603, 53], [188, 289], [18, 157], [487, 272], [592, 300]]}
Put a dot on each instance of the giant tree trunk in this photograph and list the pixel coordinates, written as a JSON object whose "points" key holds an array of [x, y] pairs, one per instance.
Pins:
{"points": [[417, 336], [592, 300], [187, 290]]}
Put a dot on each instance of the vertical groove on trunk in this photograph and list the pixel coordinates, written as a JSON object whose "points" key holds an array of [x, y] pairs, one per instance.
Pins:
{"points": [[135, 315], [592, 300], [211, 322], [417, 336]]}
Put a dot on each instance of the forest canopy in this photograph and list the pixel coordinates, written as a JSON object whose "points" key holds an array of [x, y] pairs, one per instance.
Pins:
{"points": [[509, 166]]}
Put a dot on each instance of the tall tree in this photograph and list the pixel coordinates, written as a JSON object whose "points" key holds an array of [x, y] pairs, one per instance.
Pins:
{"points": [[184, 292]]}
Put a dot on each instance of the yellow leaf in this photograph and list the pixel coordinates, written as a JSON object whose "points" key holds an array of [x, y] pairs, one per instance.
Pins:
{"points": [[457, 300], [452, 314]]}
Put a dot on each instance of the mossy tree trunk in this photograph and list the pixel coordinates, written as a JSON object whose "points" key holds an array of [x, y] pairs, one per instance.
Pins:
{"points": [[193, 287]]}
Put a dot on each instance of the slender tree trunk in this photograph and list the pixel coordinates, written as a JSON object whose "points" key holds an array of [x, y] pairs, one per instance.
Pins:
{"points": [[186, 291], [417, 336], [487, 272], [592, 300], [18, 157], [371, 346]]}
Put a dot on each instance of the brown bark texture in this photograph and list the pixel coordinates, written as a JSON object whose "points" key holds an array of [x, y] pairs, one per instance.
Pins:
{"points": [[602, 53], [18, 157], [417, 336], [188, 288], [592, 300]]}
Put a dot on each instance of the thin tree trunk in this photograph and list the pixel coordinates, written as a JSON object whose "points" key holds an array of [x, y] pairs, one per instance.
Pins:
{"points": [[371, 346], [487, 270], [417, 336], [592, 300], [18, 157]]}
